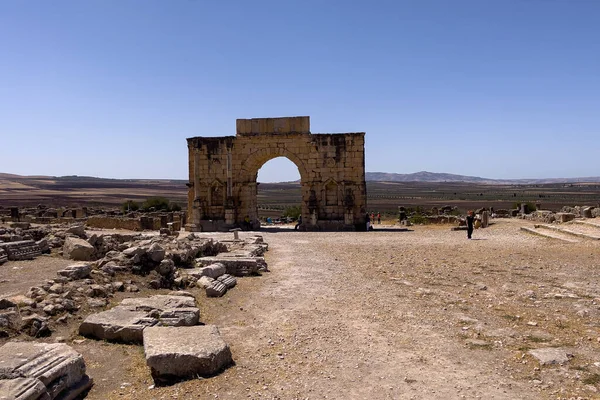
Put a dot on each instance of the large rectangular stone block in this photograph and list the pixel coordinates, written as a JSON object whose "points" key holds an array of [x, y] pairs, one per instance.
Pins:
{"points": [[281, 125]]}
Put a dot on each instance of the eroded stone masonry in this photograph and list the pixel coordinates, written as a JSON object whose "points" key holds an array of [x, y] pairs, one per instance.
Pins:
{"points": [[223, 172]]}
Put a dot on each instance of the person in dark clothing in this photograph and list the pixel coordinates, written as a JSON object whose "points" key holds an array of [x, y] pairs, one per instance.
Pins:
{"points": [[368, 221], [470, 223], [299, 223]]}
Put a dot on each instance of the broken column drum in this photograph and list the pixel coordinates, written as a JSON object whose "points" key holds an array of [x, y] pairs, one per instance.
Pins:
{"points": [[223, 173]]}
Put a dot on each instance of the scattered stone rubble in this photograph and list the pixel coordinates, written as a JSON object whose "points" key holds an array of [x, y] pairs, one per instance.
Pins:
{"points": [[30, 370], [106, 263], [175, 346], [161, 261], [566, 214]]}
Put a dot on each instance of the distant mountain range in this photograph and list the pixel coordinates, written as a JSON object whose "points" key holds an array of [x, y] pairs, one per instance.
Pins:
{"points": [[424, 176]]}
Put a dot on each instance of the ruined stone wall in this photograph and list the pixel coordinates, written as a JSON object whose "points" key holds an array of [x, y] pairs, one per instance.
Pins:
{"points": [[223, 172], [132, 224]]}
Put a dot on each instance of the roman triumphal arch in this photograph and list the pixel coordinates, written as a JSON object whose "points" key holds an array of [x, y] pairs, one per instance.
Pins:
{"points": [[223, 171]]}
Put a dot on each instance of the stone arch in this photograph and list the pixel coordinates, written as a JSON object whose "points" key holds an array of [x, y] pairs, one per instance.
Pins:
{"points": [[258, 158], [331, 168]]}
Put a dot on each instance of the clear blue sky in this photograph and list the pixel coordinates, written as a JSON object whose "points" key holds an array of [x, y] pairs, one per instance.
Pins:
{"points": [[498, 89]]}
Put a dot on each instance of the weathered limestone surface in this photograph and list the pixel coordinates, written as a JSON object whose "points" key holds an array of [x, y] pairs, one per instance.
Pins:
{"points": [[565, 217], [158, 302], [176, 353], [127, 321], [212, 271], [227, 280], [550, 355], [117, 324], [216, 289], [59, 368], [223, 171], [3, 256], [204, 282], [21, 250], [23, 389], [236, 266], [78, 249], [76, 271]]}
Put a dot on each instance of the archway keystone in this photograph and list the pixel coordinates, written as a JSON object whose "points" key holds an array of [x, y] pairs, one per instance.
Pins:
{"points": [[331, 166]]}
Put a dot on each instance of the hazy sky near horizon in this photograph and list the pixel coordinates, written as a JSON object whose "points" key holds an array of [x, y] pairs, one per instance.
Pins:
{"points": [[112, 88]]}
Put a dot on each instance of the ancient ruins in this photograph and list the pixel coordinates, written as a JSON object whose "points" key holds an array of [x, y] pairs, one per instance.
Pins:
{"points": [[223, 172]]}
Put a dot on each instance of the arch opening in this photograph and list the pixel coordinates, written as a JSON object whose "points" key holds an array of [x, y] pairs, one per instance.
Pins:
{"points": [[279, 191]]}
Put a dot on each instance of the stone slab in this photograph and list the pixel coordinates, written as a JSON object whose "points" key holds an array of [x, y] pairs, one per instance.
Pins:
{"points": [[78, 249], [57, 366], [188, 352], [216, 289], [227, 280], [212, 271], [158, 302], [117, 324], [236, 266], [550, 355], [127, 321], [23, 389], [76, 271], [21, 250]]}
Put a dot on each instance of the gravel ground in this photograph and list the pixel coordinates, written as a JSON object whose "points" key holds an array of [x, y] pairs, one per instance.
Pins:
{"points": [[16, 277], [423, 314]]}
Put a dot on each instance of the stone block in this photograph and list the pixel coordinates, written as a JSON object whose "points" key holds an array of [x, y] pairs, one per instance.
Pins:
{"points": [[565, 217], [236, 266], [58, 367], [227, 280], [77, 230], [127, 321], [216, 289], [78, 249], [240, 126], [21, 250], [117, 324], [158, 302], [212, 271], [185, 353], [550, 355], [76, 271], [204, 282], [23, 389]]}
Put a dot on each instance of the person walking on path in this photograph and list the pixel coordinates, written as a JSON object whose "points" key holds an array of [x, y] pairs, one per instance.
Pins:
{"points": [[470, 222], [368, 220], [378, 218], [299, 223]]}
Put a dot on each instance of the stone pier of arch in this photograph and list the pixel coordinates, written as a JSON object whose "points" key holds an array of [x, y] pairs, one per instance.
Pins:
{"points": [[223, 172]]}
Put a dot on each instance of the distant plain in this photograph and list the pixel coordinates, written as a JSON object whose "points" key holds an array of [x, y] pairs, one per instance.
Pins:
{"points": [[273, 198]]}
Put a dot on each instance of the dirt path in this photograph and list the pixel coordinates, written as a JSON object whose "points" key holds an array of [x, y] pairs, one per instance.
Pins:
{"points": [[402, 315]]}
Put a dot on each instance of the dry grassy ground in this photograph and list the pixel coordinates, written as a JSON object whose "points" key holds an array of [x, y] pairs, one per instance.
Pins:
{"points": [[424, 314]]}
